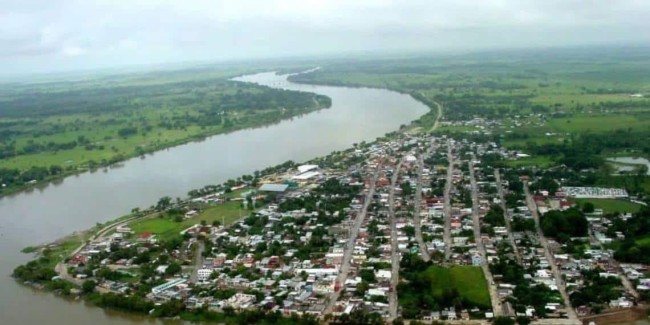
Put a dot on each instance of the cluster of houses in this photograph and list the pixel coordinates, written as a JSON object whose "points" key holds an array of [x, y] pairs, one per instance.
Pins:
{"points": [[291, 260]]}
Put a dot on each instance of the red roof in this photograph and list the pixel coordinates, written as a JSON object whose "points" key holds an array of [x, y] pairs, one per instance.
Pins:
{"points": [[145, 235]]}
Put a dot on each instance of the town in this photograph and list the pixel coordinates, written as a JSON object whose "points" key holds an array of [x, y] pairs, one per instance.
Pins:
{"points": [[411, 227]]}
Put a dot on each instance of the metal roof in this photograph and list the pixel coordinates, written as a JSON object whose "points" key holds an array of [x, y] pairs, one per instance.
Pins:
{"points": [[274, 187]]}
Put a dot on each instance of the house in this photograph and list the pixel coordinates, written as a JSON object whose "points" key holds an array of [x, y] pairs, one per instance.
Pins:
{"points": [[146, 238]]}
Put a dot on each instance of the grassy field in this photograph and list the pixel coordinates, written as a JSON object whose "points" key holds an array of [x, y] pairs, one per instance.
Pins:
{"points": [[610, 205], [166, 228], [468, 280], [53, 129], [596, 123], [541, 162]]}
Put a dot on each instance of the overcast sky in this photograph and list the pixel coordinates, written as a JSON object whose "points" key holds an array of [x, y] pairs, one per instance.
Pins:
{"points": [[54, 35]]}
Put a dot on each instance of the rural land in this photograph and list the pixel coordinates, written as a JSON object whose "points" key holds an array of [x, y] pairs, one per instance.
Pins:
{"points": [[52, 129], [521, 197]]}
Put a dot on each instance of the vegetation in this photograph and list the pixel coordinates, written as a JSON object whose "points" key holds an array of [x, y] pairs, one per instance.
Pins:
{"points": [[563, 107], [524, 293], [636, 246], [168, 225], [610, 205], [49, 130], [456, 286], [597, 291], [564, 224]]}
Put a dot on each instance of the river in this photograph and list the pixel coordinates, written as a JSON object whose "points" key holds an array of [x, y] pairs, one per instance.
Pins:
{"points": [[78, 202]]}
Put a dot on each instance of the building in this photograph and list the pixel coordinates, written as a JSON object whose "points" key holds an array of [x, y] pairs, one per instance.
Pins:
{"points": [[204, 274]]}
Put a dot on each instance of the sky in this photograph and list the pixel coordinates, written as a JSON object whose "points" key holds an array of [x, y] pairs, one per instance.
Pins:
{"points": [[59, 35]]}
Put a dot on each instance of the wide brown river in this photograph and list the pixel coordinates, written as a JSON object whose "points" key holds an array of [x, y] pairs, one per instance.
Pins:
{"points": [[78, 202]]}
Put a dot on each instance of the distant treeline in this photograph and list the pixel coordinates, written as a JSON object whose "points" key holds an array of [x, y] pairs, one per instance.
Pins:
{"points": [[206, 94]]}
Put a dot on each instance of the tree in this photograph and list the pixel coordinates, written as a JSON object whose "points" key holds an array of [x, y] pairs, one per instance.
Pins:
{"points": [[163, 203], [173, 268], [88, 286], [362, 287], [588, 207], [406, 188], [409, 230], [503, 320]]}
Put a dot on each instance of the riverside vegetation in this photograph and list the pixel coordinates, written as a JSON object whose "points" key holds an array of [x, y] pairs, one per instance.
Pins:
{"points": [[55, 128]]}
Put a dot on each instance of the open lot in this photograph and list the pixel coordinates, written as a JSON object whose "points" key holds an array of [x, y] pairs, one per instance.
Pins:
{"points": [[166, 227], [468, 280], [611, 205]]}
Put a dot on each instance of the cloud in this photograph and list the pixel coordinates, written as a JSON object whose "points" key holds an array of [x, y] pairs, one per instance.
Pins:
{"points": [[85, 34], [73, 51]]}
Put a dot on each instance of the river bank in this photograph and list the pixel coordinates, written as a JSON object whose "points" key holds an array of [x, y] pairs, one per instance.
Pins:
{"points": [[79, 202], [143, 152]]}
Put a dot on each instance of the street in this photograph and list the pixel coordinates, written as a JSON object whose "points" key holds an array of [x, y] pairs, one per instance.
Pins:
{"points": [[494, 297], [447, 206], [506, 216], [392, 298], [349, 247], [551, 260]]}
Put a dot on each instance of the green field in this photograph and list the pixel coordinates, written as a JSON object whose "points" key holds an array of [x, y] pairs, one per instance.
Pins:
{"points": [[597, 123], [541, 162], [166, 228], [52, 129], [566, 93], [611, 205], [468, 280]]}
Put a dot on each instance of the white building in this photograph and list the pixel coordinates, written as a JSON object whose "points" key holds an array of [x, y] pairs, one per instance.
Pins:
{"points": [[204, 274]]}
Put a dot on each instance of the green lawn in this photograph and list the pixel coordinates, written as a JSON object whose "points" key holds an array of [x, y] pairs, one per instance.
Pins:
{"points": [[166, 227], [541, 161], [468, 280], [611, 205]]}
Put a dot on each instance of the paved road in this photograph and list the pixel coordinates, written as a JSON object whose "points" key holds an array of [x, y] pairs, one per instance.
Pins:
{"points": [[551, 260], [437, 122], [424, 252], [394, 253], [349, 247], [476, 224], [447, 205], [506, 216], [198, 261], [62, 268]]}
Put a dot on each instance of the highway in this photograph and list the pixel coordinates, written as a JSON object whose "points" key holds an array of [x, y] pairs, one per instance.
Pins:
{"points": [[349, 247], [551, 260], [476, 223]]}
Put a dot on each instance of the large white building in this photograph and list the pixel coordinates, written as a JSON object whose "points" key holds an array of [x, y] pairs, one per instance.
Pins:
{"points": [[204, 274]]}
